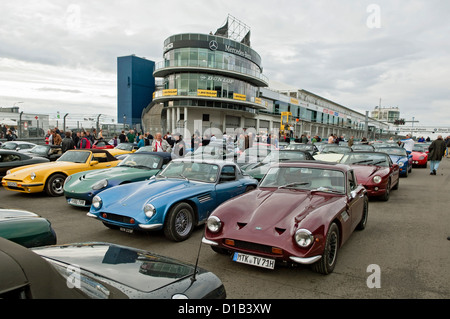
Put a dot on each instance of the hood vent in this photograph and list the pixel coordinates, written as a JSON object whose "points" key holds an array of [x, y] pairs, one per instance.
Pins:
{"points": [[204, 198], [241, 225]]}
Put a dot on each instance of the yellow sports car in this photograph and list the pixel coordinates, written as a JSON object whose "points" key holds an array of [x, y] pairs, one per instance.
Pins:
{"points": [[123, 148], [50, 177]]}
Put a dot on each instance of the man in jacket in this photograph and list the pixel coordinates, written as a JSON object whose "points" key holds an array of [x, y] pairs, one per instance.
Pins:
{"points": [[437, 151], [67, 142], [159, 144]]}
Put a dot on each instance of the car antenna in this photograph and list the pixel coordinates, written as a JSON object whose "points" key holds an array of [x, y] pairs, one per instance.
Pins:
{"points": [[193, 278]]}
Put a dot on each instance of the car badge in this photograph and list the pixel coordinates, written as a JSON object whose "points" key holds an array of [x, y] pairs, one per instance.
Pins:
{"points": [[258, 228]]}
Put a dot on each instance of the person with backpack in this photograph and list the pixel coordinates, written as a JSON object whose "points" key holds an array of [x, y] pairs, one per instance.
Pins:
{"points": [[85, 142]]}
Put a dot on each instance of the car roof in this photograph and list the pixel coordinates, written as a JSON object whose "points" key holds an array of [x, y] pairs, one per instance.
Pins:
{"points": [[23, 267], [164, 155]]}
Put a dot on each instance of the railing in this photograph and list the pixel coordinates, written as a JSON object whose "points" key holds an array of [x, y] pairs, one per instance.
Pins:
{"points": [[166, 64]]}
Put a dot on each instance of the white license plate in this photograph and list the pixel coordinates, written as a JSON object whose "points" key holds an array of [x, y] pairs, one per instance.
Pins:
{"points": [[79, 202], [11, 184], [126, 230], [254, 260]]}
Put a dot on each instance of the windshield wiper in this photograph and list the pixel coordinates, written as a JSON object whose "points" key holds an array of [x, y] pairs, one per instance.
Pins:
{"points": [[326, 190], [292, 185], [360, 162]]}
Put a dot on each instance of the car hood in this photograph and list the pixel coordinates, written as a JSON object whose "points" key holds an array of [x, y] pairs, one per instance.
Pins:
{"points": [[365, 173], [397, 159], [140, 270], [24, 171], [275, 210], [134, 195], [117, 172], [9, 214]]}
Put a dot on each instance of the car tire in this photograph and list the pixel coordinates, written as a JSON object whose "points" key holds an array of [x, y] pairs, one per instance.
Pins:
{"points": [[362, 224], [179, 222], [326, 264], [54, 185], [249, 188], [387, 194], [396, 185]]}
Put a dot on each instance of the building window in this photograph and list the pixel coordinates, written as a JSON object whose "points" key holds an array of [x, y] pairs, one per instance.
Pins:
{"points": [[205, 117]]}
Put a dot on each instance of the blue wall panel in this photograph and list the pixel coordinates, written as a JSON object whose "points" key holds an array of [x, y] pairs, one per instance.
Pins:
{"points": [[135, 87]]}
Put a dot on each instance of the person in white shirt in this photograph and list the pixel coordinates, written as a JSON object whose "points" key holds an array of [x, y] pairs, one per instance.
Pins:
{"points": [[408, 143], [159, 144]]}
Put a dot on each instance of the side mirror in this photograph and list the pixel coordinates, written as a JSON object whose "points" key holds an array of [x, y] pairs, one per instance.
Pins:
{"points": [[94, 163]]}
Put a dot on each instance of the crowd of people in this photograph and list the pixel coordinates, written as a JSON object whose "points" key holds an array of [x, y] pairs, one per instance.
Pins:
{"points": [[8, 132]]}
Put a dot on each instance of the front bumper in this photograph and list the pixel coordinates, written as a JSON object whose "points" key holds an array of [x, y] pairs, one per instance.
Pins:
{"points": [[23, 187], [285, 257], [125, 222]]}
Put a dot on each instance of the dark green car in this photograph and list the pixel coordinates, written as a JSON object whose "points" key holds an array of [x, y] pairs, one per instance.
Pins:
{"points": [[80, 188], [26, 228]]}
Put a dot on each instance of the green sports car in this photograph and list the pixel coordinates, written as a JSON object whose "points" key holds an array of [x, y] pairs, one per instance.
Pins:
{"points": [[26, 228], [80, 188]]}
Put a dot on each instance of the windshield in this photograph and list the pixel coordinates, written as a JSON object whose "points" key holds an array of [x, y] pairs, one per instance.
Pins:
{"points": [[9, 146], [141, 161], [420, 148], [335, 150], [313, 179], [74, 156], [40, 150], [366, 159], [393, 151], [209, 150], [277, 156], [362, 147], [261, 151], [202, 172], [302, 147], [145, 149], [125, 147]]}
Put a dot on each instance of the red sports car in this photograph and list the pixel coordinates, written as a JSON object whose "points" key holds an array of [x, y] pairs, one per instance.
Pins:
{"points": [[101, 144], [375, 171], [420, 155], [300, 213]]}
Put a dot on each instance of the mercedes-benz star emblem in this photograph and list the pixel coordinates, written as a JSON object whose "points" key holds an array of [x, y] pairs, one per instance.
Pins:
{"points": [[213, 45]]}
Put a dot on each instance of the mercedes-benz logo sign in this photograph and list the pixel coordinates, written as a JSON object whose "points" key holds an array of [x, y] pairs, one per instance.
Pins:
{"points": [[213, 45]]}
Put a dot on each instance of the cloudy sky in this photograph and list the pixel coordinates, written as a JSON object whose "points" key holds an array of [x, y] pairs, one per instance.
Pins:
{"points": [[60, 55]]}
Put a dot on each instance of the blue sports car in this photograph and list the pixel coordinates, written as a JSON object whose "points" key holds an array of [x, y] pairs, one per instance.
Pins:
{"points": [[400, 156], [176, 200]]}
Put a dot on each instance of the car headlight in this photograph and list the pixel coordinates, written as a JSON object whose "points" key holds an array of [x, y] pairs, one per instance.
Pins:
{"points": [[401, 164], [377, 179], [214, 224], [100, 184], [68, 178], [303, 238], [33, 176], [97, 202], [149, 210]]}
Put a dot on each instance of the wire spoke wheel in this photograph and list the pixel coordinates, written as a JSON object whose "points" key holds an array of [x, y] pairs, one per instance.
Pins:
{"points": [[179, 222], [183, 222]]}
